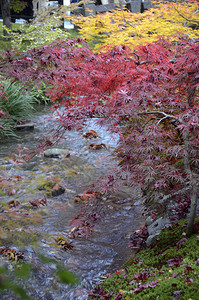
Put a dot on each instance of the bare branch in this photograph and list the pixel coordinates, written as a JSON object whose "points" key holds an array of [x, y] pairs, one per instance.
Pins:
{"points": [[166, 198], [157, 112]]}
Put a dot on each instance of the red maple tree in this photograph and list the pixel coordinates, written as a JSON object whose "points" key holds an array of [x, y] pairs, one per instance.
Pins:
{"points": [[149, 96]]}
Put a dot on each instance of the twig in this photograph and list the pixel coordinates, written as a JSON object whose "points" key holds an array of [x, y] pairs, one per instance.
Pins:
{"points": [[188, 18], [159, 113], [168, 197]]}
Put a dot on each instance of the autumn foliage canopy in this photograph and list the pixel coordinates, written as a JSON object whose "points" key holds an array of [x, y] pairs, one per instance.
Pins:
{"points": [[166, 18], [148, 95]]}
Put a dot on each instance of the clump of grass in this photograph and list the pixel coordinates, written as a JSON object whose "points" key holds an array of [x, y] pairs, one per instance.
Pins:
{"points": [[166, 271], [15, 104], [39, 93]]}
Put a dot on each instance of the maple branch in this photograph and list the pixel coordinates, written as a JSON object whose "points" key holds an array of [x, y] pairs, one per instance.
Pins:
{"points": [[166, 198], [128, 115], [161, 120], [157, 112], [188, 18], [127, 22], [137, 62]]}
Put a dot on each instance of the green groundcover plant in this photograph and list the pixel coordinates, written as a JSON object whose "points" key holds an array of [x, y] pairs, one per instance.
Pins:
{"points": [[167, 270]]}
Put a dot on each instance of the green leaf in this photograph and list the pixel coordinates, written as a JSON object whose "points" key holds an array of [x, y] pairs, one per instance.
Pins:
{"points": [[66, 276], [18, 290], [23, 271], [47, 260]]}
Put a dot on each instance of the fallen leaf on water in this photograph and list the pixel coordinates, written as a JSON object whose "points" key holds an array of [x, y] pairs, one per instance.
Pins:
{"points": [[97, 146], [87, 195], [63, 243], [43, 201], [90, 134], [11, 254], [34, 204], [13, 203], [12, 192]]}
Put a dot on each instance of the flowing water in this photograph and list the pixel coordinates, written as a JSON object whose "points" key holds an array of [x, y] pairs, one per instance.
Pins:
{"points": [[106, 249]]}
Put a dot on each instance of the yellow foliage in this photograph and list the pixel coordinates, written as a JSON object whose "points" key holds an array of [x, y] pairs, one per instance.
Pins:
{"points": [[132, 29]]}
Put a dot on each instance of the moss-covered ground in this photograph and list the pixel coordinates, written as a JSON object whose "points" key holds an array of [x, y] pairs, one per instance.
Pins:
{"points": [[168, 270]]}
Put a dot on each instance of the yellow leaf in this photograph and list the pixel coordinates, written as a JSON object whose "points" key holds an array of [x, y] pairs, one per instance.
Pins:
{"points": [[123, 27]]}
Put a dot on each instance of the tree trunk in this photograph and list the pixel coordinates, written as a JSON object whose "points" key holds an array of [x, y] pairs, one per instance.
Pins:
{"points": [[190, 177], [5, 8], [192, 214]]}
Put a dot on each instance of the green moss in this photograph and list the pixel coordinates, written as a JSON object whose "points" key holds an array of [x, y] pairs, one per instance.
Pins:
{"points": [[171, 266]]}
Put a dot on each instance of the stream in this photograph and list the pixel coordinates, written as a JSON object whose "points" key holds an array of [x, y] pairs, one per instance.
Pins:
{"points": [[106, 248]]}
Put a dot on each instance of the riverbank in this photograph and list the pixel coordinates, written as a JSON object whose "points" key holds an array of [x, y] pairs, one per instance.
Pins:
{"points": [[166, 270]]}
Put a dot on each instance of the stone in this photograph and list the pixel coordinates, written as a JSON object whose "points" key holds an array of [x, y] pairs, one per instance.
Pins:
{"points": [[152, 238], [90, 134], [149, 221], [105, 8], [158, 225], [56, 153], [89, 10], [52, 188], [135, 6], [97, 146], [147, 5], [58, 191], [26, 126], [155, 228]]}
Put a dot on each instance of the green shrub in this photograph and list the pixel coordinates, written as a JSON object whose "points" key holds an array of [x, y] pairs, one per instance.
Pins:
{"points": [[41, 31]]}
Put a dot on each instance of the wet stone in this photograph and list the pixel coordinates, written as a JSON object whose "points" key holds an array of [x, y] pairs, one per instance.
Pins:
{"points": [[155, 228], [56, 192], [149, 221], [152, 238], [158, 225], [26, 126], [56, 153]]}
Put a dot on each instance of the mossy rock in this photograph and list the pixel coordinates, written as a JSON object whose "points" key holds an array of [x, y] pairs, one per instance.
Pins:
{"points": [[52, 189]]}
